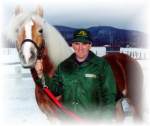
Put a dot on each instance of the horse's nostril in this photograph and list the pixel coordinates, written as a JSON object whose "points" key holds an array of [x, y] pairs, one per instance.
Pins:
{"points": [[32, 57], [22, 58], [21, 55], [32, 54]]}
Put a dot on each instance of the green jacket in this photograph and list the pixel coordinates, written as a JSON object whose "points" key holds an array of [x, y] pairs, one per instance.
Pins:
{"points": [[87, 88]]}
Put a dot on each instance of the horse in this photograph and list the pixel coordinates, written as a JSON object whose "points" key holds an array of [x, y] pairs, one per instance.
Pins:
{"points": [[36, 39]]}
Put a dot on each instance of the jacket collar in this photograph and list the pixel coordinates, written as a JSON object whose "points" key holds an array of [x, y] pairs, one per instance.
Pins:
{"points": [[72, 64], [91, 55]]}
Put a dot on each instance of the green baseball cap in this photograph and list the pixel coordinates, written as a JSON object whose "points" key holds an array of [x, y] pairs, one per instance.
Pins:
{"points": [[82, 35]]}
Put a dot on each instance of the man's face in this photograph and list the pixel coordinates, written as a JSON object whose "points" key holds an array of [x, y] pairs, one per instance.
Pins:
{"points": [[81, 49]]}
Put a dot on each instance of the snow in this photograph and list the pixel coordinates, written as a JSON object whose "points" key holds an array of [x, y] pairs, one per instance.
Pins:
{"points": [[19, 102]]}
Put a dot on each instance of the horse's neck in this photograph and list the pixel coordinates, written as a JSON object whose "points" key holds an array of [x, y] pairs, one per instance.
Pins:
{"points": [[48, 66]]}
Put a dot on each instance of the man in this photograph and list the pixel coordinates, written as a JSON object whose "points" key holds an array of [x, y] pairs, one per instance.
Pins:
{"points": [[84, 80]]}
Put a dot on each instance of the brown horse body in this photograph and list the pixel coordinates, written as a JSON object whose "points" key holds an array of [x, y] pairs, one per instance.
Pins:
{"points": [[129, 80]]}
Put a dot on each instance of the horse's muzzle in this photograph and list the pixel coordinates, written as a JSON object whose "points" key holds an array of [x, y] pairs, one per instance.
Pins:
{"points": [[28, 57], [29, 64]]}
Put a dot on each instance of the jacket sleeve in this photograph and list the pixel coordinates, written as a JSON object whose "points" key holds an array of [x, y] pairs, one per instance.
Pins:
{"points": [[108, 92], [54, 83]]}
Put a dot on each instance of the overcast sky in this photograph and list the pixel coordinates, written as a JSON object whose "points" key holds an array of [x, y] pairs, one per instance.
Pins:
{"points": [[126, 14]]}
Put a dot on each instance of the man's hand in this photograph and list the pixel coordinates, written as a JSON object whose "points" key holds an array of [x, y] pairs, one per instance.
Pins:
{"points": [[39, 68]]}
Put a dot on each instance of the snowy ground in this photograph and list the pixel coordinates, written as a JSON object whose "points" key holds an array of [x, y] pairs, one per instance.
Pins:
{"points": [[19, 102]]}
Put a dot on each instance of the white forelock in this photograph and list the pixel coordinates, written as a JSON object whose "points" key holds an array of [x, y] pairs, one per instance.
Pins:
{"points": [[17, 21], [58, 49]]}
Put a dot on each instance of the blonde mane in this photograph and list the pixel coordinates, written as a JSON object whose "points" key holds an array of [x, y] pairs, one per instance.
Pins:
{"points": [[58, 49]]}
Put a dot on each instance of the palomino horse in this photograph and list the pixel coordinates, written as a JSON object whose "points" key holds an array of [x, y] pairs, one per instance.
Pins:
{"points": [[37, 39]]}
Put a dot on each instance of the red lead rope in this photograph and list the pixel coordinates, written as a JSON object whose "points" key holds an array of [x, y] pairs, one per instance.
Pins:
{"points": [[66, 111]]}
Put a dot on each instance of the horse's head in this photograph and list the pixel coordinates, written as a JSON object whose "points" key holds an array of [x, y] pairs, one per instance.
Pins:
{"points": [[29, 38], [32, 35]]}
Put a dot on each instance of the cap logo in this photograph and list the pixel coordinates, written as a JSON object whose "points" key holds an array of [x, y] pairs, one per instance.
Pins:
{"points": [[82, 33]]}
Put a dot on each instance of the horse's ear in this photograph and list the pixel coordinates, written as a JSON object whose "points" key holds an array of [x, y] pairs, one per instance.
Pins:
{"points": [[39, 11], [18, 10]]}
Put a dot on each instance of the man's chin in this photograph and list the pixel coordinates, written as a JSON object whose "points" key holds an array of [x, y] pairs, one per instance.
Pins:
{"points": [[81, 58]]}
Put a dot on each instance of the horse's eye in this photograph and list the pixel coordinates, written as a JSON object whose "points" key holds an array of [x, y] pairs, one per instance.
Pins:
{"points": [[41, 31]]}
